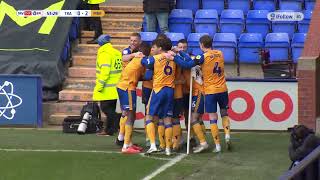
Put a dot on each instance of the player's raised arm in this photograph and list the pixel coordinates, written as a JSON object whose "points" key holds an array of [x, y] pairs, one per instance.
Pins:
{"points": [[186, 62]]}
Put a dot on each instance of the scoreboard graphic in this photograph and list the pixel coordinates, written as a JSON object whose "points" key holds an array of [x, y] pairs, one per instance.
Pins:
{"points": [[61, 13]]}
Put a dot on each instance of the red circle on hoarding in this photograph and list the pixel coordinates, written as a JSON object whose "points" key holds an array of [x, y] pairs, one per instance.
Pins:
{"points": [[287, 110], [250, 105]]}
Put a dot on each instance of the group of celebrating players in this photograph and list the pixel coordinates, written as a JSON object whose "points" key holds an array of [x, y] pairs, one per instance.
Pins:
{"points": [[166, 72]]}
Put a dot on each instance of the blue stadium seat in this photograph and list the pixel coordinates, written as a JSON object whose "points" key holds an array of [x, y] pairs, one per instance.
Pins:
{"points": [[269, 5], [148, 36], [284, 26], [309, 4], [295, 5], [257, 22], [216, 4], [303, 26], [297, 45], [249, 46], [232, 21], [175, 37], [243, 5], [227, 43], [194, 5], [74, 29], [193, 43], [278, 45], [206, 21], [180, 21]]}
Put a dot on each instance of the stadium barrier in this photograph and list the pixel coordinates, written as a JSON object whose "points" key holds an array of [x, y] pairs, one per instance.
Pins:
{"points": [[307, 169], [20, 100], [254, 104]]}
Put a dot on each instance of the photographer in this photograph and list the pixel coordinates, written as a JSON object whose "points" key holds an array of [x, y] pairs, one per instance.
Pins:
{"points": [[303, 141]]}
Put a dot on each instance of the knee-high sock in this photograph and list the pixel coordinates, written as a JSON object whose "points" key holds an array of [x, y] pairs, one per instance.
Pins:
{"points": [[128, 134], [151, 131], [215, 131], [122, 125], [161, 134], [203, 127], [168, 135], [145, 129], [198, 131], [226, 124], [176, 133]]}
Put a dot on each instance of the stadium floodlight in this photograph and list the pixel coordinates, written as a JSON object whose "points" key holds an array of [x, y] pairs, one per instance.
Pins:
{"points": [[189, 115]]}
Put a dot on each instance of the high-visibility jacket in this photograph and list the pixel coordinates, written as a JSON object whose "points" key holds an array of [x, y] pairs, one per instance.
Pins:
{"points": [[95, 1], [108, 73]]}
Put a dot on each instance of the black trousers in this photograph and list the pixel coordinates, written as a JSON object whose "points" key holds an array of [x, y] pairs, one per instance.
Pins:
{"points": [[108, 107], [91, 23]]}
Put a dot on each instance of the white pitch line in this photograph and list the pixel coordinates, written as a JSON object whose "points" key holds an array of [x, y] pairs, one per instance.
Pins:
{"points": [[165, 166], [77, 151]]}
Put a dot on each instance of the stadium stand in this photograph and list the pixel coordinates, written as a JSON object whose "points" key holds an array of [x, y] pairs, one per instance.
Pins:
{"points": [[249, 46], [217, 5], [309, 4], [269, 5], [232, 21], [181, 20], [148, 36], [278, 45], [193, 43], [303, 26], [227, 43], [206, 21], [193, 5], [284, 26], [175, 37], [257, 22], [297, 45], [295, 5], [243, 5]]}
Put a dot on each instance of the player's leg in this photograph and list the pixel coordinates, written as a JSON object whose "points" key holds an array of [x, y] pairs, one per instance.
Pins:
{"points": [[197, 109], [168, 112], [177, 110], [152, 110], [223, 101], [161, 135], [211, 109], [146, 92], [124, 103]]}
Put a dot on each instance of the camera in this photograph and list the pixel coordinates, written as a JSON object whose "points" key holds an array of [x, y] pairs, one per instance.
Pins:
{"points": [[84, 123]]}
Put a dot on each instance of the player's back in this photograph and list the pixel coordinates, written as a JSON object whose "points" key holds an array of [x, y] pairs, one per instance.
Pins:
{"points": [[213, 72], [131, 74], [164, 72]]}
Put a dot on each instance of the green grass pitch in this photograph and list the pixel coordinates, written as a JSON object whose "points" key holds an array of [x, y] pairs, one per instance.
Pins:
{"points": [[255, 156]]}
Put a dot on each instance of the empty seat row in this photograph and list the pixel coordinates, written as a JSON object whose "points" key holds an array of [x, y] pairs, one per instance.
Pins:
{"points": [[247, 48], [245, 5], [233, 21]]}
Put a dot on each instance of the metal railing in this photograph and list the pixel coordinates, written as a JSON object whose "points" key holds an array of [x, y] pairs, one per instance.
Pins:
{"points": [[307, 169]]}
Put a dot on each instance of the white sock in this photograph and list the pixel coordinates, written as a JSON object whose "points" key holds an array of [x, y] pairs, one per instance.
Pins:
{"points": [[203, 143], [120, 137], [125, 146], [227, 136], [218, 147], [153, 146]]}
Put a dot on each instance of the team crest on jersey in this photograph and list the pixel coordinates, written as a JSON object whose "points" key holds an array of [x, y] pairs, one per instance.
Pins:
{"points": [[198, 57], [125, 52]]}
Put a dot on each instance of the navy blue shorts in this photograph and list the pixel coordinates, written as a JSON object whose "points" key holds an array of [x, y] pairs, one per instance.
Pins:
{"points": [[198, 104], [146, 92], [212, 101], [177, 107], [128, 99], [161, 103]]}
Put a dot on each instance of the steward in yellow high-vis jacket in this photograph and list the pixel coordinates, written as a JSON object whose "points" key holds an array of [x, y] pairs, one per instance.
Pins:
{"points": [[108, 73]]}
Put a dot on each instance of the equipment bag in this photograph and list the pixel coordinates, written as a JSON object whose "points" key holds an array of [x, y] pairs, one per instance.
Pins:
{"points": [[70, 124]]}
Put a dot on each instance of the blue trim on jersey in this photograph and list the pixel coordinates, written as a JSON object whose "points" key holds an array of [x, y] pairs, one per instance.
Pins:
{"points": [[213, 121]]}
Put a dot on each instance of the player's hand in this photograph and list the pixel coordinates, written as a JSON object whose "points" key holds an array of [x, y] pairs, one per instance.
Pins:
{"points": [[172, 53], [175, 49], [168, 56], [138, 55]]}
